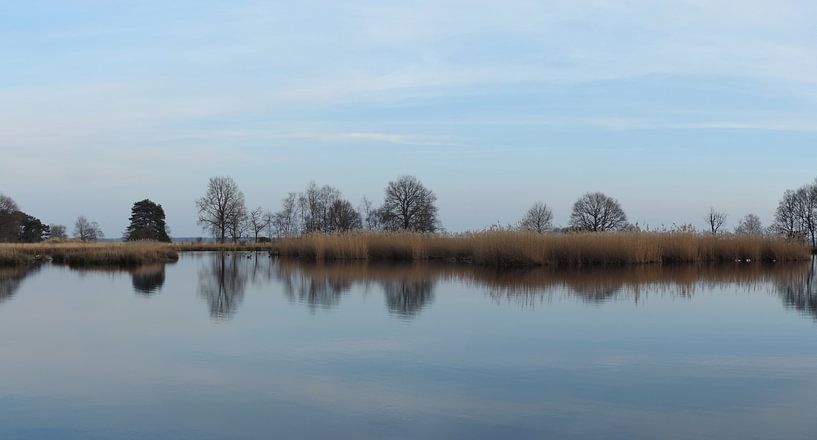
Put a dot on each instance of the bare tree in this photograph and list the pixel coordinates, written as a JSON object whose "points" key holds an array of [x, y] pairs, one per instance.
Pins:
{"points": [[786, 217], [369, 215], [539, 219], [87, 230], [221, 207], [314, 204], [343, 217], [7, 204], [409, 205], [286, 220], [749, 225], [596, 212], [715, 220], [238, 224], [269, 220], [806, 203], [258, 221], [57, 231]]}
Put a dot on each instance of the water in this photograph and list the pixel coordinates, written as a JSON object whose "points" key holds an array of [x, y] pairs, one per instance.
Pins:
{"points": [[248, 347]]}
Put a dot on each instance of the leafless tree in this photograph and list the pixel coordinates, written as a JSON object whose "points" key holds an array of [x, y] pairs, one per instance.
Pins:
{"points": [[786, 217], [314, 204], [7, 205], [596, 212], [221, 207], [57, 231], [343, 217], [369, 215], [269, 220], [238, 224], [806, 202], [409, 205], [715, 220], [286, 220], [539, 219], [749, 225], [87, 230], [257, 221]]}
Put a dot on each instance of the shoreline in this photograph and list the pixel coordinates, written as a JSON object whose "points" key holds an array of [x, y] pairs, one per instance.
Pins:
{"points": [[492, 249]]}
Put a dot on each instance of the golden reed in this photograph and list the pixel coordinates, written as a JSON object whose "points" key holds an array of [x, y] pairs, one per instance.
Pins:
{"points": [[530, 249], [78, 254], [506, 248]]}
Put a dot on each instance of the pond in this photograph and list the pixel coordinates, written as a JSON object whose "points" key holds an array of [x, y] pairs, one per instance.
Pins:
{"points": [[245, 346]]}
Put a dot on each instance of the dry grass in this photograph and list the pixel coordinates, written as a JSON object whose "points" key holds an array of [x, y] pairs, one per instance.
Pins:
{"points": [[487, 249], [529, 249], [78, 254], [228, 247]]}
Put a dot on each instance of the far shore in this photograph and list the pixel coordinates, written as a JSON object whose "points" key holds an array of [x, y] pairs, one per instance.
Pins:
{"points": [[496, 249]]}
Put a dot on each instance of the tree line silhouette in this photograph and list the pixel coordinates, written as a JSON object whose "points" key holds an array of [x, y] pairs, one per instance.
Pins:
{"points": [[407, 205]]}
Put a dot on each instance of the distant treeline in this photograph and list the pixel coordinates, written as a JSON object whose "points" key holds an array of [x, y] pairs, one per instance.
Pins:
{"points": [[407, 206]]}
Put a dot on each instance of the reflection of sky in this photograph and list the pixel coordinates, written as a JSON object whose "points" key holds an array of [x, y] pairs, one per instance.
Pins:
{"points": [[85, 357]]}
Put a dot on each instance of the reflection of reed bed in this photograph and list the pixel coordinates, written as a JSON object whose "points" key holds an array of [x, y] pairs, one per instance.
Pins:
{"points": [[79, 254], [10, 279], [528, 249], [592, 284], [599, 284]]}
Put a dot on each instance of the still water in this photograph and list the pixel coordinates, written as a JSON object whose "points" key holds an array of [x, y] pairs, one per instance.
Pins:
{"points": [[249, 347]]}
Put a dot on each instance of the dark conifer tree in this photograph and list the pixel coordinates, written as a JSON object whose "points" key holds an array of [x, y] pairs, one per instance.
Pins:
{"points": [[32, 230], [147, 222]]}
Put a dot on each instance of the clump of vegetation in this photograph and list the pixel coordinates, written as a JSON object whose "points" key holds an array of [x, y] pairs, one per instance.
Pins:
{"points": [[516, 248], [79, 254]]}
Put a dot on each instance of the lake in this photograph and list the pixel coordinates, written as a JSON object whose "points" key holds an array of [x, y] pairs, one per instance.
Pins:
{"points": [[245, 346]]}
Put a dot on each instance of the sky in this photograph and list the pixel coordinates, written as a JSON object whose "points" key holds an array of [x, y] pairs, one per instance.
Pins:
{"points": [[671, 107]]}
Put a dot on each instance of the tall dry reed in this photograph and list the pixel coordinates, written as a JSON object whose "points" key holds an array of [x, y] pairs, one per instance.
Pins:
{"points": [[529, 249], [74, 253]]}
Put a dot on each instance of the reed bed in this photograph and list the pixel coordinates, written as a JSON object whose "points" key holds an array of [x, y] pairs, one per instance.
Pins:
{"points": [[529, 249], [226, 247], [499, 249], [79, 254]]}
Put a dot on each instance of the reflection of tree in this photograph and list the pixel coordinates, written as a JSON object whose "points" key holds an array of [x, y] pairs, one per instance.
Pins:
{"points": [[799, 290], [222, 282], [313, 287], [148, 279], [407, 288], [11, 278], [408, 297]]}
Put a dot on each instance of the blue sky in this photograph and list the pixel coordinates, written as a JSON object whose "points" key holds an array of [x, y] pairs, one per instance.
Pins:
{"points": [[671, 107]]}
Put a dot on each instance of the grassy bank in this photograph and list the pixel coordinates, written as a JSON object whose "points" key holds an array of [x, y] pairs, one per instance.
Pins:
{"points": [[529, 249], [79, 254], [487, 249]]}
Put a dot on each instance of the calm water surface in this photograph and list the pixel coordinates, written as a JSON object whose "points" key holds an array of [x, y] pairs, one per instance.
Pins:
{"points": [[248, 347]]}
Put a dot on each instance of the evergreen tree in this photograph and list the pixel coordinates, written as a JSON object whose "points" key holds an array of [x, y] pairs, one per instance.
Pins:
{"points": [[32, 230], [147, 222]]}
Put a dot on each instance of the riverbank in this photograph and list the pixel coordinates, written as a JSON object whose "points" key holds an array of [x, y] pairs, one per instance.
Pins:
{"points": [[79, 254], [527, 249], [517, 249]]}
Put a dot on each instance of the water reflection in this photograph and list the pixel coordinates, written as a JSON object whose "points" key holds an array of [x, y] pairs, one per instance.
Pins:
{"points": [[799, 291], [222, 282], [408, 297], [408, 288], [11, 278], [148, 279]]}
